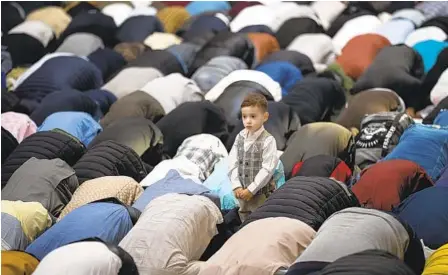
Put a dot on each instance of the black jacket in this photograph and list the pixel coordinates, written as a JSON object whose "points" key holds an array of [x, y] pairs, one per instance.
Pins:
{"points": [[110, 158], [294, 27], [9, 143], [315, 99], [192, 118], [43, 145], [308, 199]]}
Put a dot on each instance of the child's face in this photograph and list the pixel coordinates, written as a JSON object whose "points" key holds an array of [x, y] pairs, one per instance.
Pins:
{"points": [[253, 118]]}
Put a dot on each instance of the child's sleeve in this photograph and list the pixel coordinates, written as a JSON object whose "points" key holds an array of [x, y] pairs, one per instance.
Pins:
{"points": [[270, 161], [233, 168]]}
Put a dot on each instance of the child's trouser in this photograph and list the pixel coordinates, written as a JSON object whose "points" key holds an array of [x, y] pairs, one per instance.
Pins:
{"points": [[247, 207]]}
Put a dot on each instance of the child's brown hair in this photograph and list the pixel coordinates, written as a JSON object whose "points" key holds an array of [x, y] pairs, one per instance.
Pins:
{"points": [[255, 99]]}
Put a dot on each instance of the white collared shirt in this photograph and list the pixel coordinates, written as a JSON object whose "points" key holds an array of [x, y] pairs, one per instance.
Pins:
{"points": [[269, 163]]}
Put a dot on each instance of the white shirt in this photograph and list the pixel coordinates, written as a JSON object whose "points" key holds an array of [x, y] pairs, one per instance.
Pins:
{"points": [[186, 168], [328, 11], [317, 46], [253, 15], [425, 33], [269, 163], [250, 75], [440, 90], [36, 29], [173, 90], [354, 27]]}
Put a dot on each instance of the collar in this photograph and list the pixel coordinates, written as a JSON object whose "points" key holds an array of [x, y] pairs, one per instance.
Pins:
{"points": [[254, 135]]}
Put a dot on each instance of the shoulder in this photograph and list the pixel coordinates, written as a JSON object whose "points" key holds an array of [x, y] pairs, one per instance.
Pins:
{"points": [[270, 141]]}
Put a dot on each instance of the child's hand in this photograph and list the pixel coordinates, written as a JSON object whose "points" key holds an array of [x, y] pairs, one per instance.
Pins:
{"points": [[246, 195], [237, 192]]}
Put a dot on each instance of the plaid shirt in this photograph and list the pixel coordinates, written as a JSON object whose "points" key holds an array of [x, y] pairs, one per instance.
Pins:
{"points": [[433, 9], [204, 150]]}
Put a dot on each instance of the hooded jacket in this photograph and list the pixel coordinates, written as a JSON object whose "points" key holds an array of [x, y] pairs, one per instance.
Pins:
{"points": [[137, 133], [110, 158], [78, 124], [50, 182], [308, 199], [384, 185], [46, 145]]}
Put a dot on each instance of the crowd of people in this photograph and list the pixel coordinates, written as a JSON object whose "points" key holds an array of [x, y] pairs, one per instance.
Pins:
{"points": [[224, 138]]}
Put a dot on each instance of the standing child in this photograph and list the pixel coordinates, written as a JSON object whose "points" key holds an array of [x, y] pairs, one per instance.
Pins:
{"points": [[253, 158]]}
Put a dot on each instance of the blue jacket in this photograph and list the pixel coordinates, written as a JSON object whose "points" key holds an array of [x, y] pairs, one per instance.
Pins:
{"points": [[426, 212], [285, 73], [78, 124], [197, 7], [172, 183], [429, 50], [106, 221], [426, 145]]}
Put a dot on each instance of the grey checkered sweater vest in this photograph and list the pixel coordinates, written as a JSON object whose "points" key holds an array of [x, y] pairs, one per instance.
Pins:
{"points": [[250, 162]]}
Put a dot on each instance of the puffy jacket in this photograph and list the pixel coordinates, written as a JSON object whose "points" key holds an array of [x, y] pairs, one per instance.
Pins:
{"points": [[309, 199], [110, 158], [43, 145]]}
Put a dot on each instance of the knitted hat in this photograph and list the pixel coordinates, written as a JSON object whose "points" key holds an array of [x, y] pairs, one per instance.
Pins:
{"points": [[173, 18], [55, 17], [130, 50], [161, 41]]}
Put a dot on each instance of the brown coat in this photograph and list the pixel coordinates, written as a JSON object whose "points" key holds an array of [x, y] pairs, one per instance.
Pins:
{"points": [[264, 44], [359, 53]]}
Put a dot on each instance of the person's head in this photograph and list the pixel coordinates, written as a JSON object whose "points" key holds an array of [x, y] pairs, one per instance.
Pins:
{"points": [[254, 111]]}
